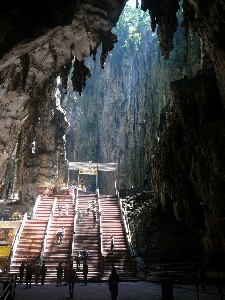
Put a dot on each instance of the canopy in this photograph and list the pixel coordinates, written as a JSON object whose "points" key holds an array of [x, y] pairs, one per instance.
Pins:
{"points": [[85, 166]]}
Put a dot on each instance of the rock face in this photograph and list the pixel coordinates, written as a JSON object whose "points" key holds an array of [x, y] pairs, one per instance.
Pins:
{"points": [[188, 165], [38, 45], [35, 48]]}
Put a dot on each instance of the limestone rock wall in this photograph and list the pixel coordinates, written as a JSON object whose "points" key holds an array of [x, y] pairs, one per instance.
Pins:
{"points": [[188, 165], [33, 53]]}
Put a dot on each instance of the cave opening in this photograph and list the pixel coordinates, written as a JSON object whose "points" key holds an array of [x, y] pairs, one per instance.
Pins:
{"points": [[157, 108]]}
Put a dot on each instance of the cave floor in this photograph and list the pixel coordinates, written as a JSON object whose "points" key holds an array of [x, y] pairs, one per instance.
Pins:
{"points": [[127, 291]]}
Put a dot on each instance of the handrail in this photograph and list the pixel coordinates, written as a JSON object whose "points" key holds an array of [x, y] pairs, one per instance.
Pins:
{"points": [[74, 222], [16, 241], [127, 229], [100, 232], [9, 289], [74, 227], [47, 230], [100, 225], [35, 206]]}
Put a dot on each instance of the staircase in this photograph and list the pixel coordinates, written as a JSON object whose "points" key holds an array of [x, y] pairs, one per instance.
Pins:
{"points": [[32, 237], [88, 237], [112, 224], [54, 252], [29, 249]]}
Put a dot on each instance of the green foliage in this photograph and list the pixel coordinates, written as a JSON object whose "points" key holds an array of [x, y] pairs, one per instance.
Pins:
{"points": [[129, 27]]}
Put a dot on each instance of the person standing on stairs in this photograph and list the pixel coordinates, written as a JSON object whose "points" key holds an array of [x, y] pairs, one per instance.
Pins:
{"points": [[57, 234], [65, 270], [66, 209], [85, 272], [63, 233], [21, 274], [79, 215], [60, 210], [94, 216], [78, 258], [37, 269], [43, 272], [72, 195], [85, 255], [59, 274], [93, 203], [29, 271], [88, 208], [111, 245]]}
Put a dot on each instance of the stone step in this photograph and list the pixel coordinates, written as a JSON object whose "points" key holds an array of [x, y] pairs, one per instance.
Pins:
{"points": [[85, 237]]}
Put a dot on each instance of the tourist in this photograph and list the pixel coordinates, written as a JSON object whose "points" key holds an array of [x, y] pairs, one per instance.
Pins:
{"points": [[85, 255], [37, 269], [60, 210], [88, 208], [85, 272], [112, 244], [72, 195], [78, 258], [79, 215], [59, 235], [65, 270], [59, 274], [21, 272], [93, 203], [94, 216], [43, 272], [72, 276], [113, 281], [66, 209], [29, 271]]}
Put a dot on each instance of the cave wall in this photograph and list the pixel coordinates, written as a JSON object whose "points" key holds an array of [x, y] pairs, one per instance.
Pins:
{"points": [[34, 49], [188, 164], [118, 119]]}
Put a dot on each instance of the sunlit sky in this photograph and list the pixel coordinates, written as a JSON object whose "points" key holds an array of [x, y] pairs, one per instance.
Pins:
{"points": [[132, 3]]}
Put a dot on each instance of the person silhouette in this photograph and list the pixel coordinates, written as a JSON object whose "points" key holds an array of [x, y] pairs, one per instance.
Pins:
{"points": [[113, 281]]}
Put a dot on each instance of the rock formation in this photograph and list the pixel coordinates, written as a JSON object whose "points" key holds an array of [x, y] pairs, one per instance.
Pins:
{"points": [[38, 46]]}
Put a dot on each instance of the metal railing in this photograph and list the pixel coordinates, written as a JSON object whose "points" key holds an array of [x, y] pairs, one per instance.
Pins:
{"points": [[100, 231], [132, 251], [16, 241], [35, 206], [74, 227], [9, 289], [47, 230]]}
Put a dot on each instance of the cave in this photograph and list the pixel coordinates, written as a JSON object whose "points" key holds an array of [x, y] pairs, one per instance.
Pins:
{"points": [[49, 56]]}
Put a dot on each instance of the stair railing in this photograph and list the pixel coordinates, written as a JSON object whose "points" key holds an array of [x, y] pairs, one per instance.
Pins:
{"points": [[132, 251], [74, 227], [47, 230], [16, 241], [100, 231], [72, 250], [35, 206], [9, 289]]}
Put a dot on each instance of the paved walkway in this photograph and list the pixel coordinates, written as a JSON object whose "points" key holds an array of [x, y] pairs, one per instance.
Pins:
{"points": [[98, 291]]}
